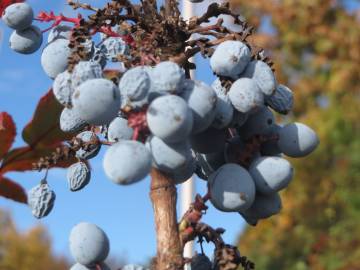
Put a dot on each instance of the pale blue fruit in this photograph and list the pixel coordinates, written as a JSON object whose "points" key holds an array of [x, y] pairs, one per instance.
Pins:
{"points": [[271, 174], [245, 95], [84, 71], [26, 41], [230, 58], [262, 75], [297, 140], [119, 130], [184, 173], [167, 77], [89, 244], [257, 123], [18, 16], [134, 87], [54, 58], [169, 157], [63, 89], [202, 99], [70, 121], [97, 101], [119, 162], [170, 118], [263, 207], [224, 109], [232, 189]]}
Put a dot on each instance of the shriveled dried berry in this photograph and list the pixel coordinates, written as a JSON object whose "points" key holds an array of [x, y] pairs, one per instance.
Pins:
{"points": [[62, 88], [90, 147], [85, 70], [41, 200], [78, 176], [282, 100], [114, 46]]}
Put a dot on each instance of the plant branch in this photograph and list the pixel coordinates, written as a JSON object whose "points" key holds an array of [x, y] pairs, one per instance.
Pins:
{"points": [[163, 196]]}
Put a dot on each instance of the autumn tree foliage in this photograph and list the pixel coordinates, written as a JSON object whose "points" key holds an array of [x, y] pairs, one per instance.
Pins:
{"points": [[316, 45], [26, 250]]}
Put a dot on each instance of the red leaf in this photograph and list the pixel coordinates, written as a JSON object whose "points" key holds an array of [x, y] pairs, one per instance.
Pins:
{"points": [[21, 159], [44, 128], [7, 133], [5, 3], [12, 190]]}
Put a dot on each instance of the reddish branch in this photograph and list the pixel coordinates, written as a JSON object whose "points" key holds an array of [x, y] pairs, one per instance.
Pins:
{"points": [[66, 152], [57, 19], [227, 257]]}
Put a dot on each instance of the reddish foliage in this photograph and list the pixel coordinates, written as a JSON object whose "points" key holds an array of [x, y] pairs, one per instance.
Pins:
{"points": [[7, 133], [43, 136], [5, 3], [44, 128], [12, 190], [22, 159]]}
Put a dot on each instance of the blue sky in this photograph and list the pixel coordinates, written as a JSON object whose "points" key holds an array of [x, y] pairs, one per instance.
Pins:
{"points": [[124, 213]]}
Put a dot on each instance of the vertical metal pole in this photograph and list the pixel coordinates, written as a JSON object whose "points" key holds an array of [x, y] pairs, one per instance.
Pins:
{"points": [[187, 188]]}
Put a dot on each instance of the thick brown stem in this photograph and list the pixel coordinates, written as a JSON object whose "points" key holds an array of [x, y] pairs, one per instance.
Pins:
{"points": [[163, 197], [167, 8]]}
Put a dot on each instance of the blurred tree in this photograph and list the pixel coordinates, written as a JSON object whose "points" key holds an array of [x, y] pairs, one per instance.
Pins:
{"points": [[26, 251], [316, 49]]}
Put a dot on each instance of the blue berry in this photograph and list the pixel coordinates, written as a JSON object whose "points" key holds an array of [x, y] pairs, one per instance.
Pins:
{"points": [[26, 41], [18, 16], [230, 58]]}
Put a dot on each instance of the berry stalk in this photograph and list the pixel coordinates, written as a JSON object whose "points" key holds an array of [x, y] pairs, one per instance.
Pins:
{"points": [[163, 196]]}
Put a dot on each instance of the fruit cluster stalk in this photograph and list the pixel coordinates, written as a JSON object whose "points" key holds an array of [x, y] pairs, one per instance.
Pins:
{"points": [[163, 197]]}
